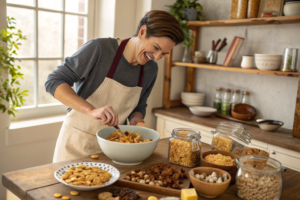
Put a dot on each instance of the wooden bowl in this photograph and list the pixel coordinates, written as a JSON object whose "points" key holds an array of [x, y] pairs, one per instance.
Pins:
{"points": [[232, 170], [243, 112], [208, 190]]}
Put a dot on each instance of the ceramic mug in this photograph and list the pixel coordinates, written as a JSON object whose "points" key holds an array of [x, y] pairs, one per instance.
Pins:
{"points": [[247, 62]]}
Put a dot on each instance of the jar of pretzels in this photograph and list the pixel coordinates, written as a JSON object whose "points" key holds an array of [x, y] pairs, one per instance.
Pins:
{"points": [[230, 136], [185, 147]]}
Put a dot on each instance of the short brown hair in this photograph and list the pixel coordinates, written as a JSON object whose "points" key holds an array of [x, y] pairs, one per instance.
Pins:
{"points": [[160, 23]]}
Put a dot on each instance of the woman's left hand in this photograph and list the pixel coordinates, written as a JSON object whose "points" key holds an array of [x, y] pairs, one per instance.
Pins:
{"points": [[136, 118]]}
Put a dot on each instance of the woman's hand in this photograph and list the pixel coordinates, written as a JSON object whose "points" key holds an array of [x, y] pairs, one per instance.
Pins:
{"points": [[107, 115], [136, 118]]}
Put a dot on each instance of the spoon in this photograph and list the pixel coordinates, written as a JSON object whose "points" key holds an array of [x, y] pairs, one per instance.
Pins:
{"points": [[117, 127]]}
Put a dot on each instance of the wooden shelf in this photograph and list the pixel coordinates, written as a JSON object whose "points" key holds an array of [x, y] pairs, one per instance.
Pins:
{"points": [[237, 69], [253, 21]]}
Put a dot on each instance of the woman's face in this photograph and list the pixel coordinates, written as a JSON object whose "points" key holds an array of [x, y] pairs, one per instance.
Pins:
{"points": [[152, 48]]}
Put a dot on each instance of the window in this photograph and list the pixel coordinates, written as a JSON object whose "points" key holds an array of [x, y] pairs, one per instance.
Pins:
{"points": [[54, 29]]}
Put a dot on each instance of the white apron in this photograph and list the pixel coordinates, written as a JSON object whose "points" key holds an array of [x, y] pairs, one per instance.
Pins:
{"points": [[77, 137]]}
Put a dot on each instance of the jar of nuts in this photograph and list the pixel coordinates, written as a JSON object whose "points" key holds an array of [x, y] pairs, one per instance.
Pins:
{"points": [[259, 178], [185, 147], [230, 136]]}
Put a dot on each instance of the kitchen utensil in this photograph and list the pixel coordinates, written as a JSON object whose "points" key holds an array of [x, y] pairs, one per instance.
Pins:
{"points": [[212, 57], [290, 60], [243, 112], [202, 110], [247, 62], [223, 44], [269, 125], [115, 174], [232, 170], [209, 190], [218, 41], [128, 153]]}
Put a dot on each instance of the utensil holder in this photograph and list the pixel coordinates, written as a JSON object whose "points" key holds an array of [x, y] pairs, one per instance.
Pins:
{"points": [[212, 57]]}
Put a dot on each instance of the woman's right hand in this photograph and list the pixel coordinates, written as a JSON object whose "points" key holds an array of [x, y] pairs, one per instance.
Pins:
{"points": [[107, 115]]}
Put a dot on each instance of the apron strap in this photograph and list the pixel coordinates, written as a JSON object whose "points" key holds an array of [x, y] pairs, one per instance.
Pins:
{"points": [[116, 60]]}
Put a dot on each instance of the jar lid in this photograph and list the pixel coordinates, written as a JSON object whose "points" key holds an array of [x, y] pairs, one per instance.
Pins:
{"points": [[246, 93], [236, 91], [259, 163], [227, 90], [219, 89]]}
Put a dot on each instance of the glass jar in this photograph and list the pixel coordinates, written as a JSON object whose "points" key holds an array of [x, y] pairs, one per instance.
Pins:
{"points": [[230, 137], [225, 106], [235, 99], [242, 9], [234, 7], [253, 6], [185, 147], [258, 177], [246, 97], [218, 100]]}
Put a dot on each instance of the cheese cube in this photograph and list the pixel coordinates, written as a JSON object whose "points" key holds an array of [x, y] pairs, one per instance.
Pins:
{"points": [[189, 194]]}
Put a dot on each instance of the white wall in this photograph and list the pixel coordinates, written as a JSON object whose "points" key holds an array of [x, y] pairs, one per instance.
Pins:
{"points": [[274, 97]]}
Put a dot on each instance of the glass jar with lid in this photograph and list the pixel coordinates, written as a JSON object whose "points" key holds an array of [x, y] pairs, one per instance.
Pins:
{"points": [[225, 105], [230, 137], [185, 147], [218, 99], [258, 177]]}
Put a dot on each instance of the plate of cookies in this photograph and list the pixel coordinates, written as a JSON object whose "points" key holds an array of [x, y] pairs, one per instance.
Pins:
{"points": [[87, 176]]}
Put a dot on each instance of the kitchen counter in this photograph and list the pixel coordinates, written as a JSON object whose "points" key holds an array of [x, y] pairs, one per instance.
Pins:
{"points": [[39, 182], [281, 137]]}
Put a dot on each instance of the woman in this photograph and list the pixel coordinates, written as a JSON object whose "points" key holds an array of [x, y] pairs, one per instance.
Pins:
{"points": [[113, 80]]}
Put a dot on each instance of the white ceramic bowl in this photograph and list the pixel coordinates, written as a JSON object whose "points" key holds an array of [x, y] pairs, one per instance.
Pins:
{"points": [[128, 153], [111, 169], [192, 95], [291, 8], [192, 104], [193, 101], [269, 125], [268, 62], [202, 110]]}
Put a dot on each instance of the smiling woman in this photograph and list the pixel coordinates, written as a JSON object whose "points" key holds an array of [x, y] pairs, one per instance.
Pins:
{"points": [[113, 79]]}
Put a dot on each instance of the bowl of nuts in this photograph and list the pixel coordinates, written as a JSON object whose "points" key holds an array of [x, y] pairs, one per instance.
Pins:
{"points": [[221, 159], [209, 182]]}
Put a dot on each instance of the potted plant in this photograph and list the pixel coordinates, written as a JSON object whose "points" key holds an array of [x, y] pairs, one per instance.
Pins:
{"points": [[10, 95], [183, 10]]}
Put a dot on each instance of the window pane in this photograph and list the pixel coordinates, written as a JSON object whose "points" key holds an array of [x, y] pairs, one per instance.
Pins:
{"points": [[76, 6], [25, 22], [50, 33], [75, 33], [22, 2], [27, 69], [45, 68], [53, 4]]}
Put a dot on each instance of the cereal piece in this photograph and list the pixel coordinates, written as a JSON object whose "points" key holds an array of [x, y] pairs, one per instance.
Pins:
{"points": [[82, 166], [94, 156], [140, 124], [65, 198], [65, 176], [126, 137], [104, 195], [220, 159], [57, 195], [222, 144], [152, 198], [181, 153], [74, 193]]}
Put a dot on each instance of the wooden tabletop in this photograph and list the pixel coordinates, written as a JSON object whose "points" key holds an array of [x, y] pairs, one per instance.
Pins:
{"points": [[281, 137], [39, 183]]}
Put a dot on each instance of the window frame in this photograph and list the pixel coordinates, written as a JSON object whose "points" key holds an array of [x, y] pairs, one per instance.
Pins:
{"points": [[44, 110]]}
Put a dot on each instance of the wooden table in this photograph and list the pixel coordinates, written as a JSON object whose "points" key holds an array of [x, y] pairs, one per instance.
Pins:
{"points": [[39, 182]]}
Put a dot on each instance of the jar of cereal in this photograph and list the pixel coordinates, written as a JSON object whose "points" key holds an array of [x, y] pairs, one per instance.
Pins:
{"points": [[185, 147], [258, 177], [230, 137]]}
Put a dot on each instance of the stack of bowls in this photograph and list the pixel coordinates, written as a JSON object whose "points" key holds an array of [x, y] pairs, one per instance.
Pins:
{"points": [[291, 8], [268, 62], [192, 99]]}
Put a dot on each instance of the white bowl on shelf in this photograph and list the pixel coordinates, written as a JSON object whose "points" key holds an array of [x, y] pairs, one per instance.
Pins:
{"points": [[291, 8], [192, 104], [193, 101], [202, 110], [268, 62], [192, 95]]}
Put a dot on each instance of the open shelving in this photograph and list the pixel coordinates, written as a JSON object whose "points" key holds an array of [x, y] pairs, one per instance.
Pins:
{"points": [[191, 67]]}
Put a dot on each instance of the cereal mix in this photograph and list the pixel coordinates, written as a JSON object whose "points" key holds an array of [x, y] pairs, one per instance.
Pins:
{"points": [[181, 153], [222, 144], [220, 159], [127, 137], [86, 176]]}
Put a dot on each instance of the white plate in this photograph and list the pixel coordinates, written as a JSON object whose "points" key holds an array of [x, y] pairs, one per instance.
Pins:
{"points": [[115, 174], [202, 110]]}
